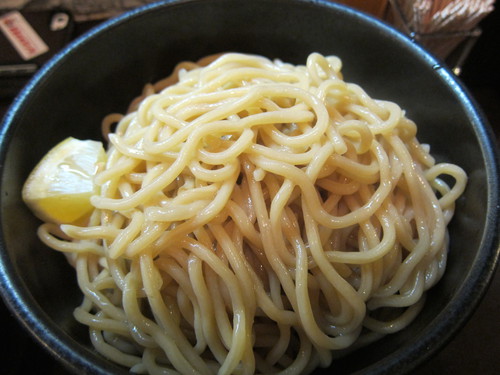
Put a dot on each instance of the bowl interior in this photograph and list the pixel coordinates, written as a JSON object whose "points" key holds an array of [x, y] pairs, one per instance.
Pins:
{"points": [[102, 71]]}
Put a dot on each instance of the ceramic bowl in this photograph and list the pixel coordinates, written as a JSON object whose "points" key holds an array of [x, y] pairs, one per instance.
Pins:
{"points": [[101, 71]]}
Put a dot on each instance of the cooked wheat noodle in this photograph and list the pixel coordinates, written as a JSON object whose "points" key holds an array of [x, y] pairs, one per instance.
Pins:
{"points": [[257, 217]]}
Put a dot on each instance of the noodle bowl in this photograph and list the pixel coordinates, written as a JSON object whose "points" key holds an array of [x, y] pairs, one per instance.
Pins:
{"points": [[256, 217]]}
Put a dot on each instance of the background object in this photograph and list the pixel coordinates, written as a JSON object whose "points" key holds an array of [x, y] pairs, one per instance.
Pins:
{"points": [[54, 27], [447, 28], [376, 8]]}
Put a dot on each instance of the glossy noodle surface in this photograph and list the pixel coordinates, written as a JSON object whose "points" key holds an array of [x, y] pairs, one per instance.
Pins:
{"points": [[257, 217]]}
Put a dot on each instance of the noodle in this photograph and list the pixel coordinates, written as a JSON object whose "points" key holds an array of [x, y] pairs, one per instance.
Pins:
{"points": [[254, 217]]}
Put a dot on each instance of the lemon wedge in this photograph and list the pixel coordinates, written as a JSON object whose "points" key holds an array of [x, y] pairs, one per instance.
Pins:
{"points": [[59, 188]]}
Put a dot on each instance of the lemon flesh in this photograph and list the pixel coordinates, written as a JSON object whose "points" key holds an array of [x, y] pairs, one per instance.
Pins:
{"points": [[59, 188]]}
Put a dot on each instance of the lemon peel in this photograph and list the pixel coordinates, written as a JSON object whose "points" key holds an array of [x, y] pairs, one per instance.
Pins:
{"points": [[59, 188]]}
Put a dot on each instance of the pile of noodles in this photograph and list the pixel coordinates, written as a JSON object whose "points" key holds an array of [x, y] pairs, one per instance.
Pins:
{"points": [[256, 217]]}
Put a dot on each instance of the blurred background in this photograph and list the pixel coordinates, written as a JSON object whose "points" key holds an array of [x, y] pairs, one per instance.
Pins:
{"points": [[464, 34]]}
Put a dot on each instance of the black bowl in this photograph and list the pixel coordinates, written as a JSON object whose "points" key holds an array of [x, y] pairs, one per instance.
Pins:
{"points": [[100, 72]]}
